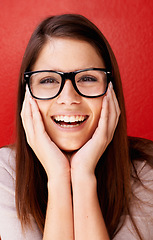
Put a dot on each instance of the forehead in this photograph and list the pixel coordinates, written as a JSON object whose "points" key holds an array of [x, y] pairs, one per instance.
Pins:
{"points": [[65, 54]]}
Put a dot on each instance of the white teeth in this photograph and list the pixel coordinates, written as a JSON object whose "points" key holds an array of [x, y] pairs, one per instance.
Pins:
{"points": [[70, 126], [69, 118]]}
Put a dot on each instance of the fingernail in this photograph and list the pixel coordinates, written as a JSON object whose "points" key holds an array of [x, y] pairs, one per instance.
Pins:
{"points": [[30, 98], [27, 89], [108, 91], [110, 84]]}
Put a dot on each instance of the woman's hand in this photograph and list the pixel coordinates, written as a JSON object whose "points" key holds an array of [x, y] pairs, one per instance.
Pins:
{"points": [[86, 159], [53, 160], [59, 217], [88, 219]]}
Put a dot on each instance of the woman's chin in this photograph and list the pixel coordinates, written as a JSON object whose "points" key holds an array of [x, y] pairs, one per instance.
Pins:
{"points": [[70, 147]]}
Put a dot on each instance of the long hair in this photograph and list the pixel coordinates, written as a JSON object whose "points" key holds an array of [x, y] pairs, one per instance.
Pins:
{"points": [[113, 169]]}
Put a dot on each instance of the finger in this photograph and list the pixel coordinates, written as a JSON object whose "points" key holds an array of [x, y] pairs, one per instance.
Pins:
{"points": [[26, 116], [102, 129], [37, 119], [117, 108], [99, 140], [115, 100], [113, 112], [24, 103]]}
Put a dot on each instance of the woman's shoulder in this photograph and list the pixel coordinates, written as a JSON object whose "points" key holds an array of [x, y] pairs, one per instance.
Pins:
{"points": [[7, 151], [10, 226], [7, 159], [142, 186], [143, 169], [142, 179], [141, 205], [141, 155], [7, 169]]}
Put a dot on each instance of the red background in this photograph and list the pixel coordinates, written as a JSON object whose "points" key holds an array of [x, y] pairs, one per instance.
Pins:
{"points": [[128, 26]]}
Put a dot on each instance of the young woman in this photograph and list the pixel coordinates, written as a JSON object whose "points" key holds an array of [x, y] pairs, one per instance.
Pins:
{"points": [[73, 172]]}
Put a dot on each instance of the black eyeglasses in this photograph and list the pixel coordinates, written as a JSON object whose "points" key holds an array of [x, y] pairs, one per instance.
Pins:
{"points": [[48, 84]]}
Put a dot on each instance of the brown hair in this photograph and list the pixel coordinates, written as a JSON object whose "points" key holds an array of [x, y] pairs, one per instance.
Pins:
{"points": [[113, 169]]}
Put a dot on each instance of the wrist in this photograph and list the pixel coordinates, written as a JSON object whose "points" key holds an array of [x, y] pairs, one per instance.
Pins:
{"points": [[59, 179], [83, 178], [58, 173]]}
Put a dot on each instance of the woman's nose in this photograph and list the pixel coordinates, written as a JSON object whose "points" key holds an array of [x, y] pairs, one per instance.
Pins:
{"points": [[68, 95]]}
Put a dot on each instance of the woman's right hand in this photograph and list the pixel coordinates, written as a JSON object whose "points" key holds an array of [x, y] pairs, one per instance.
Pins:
{"points": [[59, 217], [53, 160]]}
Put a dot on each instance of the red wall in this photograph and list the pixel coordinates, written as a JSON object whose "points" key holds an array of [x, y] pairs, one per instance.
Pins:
{"points": [[127, 24]]}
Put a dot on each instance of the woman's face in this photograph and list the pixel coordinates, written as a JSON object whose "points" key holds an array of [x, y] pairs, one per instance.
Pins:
{"points": [[66, 55]]}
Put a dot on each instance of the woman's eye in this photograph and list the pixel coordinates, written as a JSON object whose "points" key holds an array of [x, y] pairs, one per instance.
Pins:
{"points": [[87, 79], [48, 81]]}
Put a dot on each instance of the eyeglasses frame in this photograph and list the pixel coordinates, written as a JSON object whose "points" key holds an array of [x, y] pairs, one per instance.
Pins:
{"points": [[67, 76]]}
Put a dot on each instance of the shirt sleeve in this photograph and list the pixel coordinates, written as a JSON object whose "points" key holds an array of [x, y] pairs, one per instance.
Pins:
{"points": [[10, 226], [141, 206]]}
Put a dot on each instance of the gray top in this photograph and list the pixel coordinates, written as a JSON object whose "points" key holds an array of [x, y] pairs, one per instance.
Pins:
{"points": [[10, 227]]}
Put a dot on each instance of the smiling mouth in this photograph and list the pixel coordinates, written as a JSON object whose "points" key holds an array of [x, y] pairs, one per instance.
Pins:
{"points": [[69, 121]]}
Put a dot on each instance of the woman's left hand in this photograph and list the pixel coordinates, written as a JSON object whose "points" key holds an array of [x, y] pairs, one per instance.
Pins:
{"points": [[86, 158]]}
